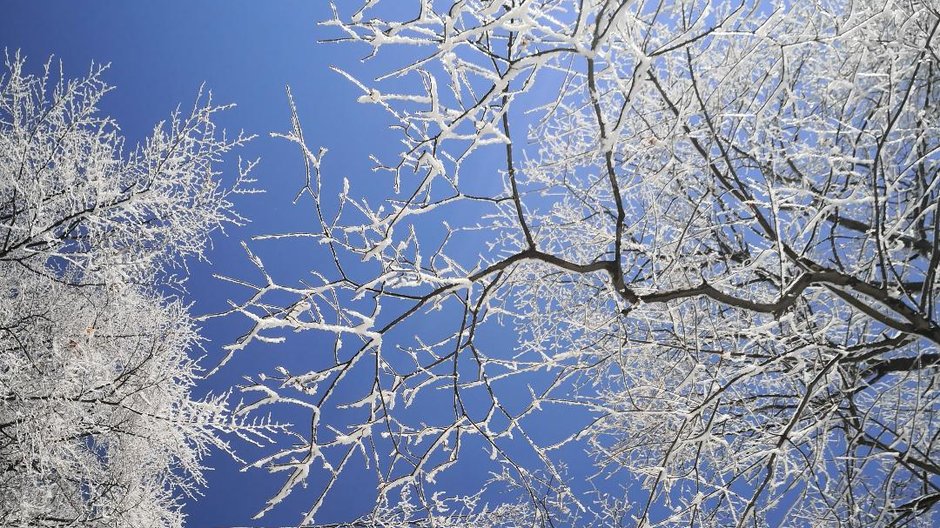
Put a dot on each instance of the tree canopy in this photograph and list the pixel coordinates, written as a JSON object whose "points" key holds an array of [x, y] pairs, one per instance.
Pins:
{"points": [[706, 233], [98, 360]]}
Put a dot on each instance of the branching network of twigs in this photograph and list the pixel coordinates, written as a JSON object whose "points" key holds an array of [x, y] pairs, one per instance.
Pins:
{"points": [[709, 229]]}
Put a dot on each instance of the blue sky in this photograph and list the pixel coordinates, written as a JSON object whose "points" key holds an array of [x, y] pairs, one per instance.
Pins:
{"points": [[245, 52]]}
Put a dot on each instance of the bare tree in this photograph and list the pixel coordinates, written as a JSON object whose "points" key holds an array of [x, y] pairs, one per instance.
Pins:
{"points": [[97, 423], [713, 234]]}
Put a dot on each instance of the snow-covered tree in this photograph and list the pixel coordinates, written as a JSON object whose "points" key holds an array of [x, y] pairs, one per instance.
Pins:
{"points": [[98, 426], [703, 232]]}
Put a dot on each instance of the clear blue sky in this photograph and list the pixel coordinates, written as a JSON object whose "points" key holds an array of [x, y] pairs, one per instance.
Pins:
{"points": [[245, 52]]}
